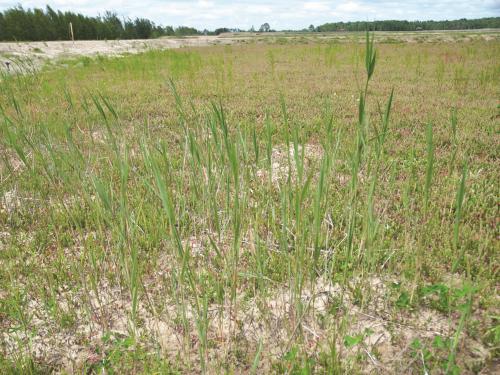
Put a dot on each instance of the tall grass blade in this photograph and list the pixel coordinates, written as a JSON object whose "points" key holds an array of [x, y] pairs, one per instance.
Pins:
{"points": [[458, 215], [430, 165]]}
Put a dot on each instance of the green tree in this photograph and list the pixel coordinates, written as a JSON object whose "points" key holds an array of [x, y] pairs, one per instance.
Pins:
{"points": [[265, 28]]}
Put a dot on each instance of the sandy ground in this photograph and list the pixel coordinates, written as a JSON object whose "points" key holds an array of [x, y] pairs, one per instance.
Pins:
{"points": [[16, 55], [11, 53]]}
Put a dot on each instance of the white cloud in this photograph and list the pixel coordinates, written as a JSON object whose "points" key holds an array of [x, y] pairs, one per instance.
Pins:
{"points": [[350, 7], [205, 4], [256, 9], [316, 6]]}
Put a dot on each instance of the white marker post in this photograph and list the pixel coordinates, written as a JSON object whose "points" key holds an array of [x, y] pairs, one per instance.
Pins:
{"points": [[71, 32]]}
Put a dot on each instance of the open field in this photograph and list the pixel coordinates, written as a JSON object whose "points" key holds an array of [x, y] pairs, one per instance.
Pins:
{"points": [[257, 207], [39, 53]]}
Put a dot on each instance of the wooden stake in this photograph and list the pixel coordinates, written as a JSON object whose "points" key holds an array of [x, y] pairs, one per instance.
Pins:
{"points": [[71, 32]]}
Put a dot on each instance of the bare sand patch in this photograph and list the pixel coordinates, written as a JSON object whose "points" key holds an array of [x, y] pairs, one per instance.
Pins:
{"points": [[283, 164], [272, 322], [17, 54]]}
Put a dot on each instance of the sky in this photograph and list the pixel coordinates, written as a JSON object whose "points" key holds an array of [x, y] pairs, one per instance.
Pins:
{"points": [[280, 14]]}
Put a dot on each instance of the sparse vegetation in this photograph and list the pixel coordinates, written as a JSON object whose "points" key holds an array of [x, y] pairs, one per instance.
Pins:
{"points": [[257, 208]]}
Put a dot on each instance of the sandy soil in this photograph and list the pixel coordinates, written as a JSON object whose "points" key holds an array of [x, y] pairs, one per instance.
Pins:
{"points": [[91, 47], [37, 52], [57, 49], [15, 55]]}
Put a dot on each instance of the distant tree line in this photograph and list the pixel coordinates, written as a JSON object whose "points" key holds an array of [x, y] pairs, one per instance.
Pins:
{"points": [[47, 24], [394, 25], [37, 24]]}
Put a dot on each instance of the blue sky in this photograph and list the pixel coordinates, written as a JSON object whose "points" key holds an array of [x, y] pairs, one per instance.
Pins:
{"points": [[280, 14]]}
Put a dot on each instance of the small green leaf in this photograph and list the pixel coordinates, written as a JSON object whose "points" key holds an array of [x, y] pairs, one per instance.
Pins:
{"points": [[403, 300], [416, 344], [291, 354], [350, 341], [439, 343]]}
